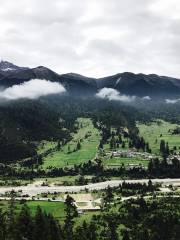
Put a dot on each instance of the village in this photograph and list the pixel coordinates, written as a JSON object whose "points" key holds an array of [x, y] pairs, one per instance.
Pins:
{"points": [[130, 153], [133, 153]]}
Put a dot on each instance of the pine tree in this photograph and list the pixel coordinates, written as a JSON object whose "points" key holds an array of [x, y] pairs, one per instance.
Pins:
{"points": [[150, 185], [101, 144], [112, 227], [111, 144], [123, 144], [58, 145], [40, 229], [126, 235], [108, 196], [92, 235], [54, 229], [11, 229], [2, 225], [120, 139], [162, 147], [150, 166], [78, 147], [69, 149], [71, 212], [24, 224]]}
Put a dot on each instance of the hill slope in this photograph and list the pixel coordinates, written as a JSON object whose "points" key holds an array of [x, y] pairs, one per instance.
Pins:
{"points": [[142, 85]]}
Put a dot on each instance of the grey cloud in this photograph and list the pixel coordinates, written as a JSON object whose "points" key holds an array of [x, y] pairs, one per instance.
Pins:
{"points": [[94, 38]]}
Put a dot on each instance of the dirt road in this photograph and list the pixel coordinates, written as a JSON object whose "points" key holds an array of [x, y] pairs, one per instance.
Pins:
{"points": [[34, 189]]}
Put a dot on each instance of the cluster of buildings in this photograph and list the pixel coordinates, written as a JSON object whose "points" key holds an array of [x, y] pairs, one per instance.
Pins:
{"points": [[132, 153]]}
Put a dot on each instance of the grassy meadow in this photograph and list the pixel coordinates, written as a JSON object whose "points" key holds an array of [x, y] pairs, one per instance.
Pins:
{"points": [[57, 209], [45, 145], [127, 161], [87, 135], [157, 131]]}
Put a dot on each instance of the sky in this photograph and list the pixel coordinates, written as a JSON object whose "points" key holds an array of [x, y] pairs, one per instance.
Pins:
{"points": [[95, 38]]}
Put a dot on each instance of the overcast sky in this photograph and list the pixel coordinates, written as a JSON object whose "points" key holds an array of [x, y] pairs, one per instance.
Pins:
{"points": [[92, 37]]}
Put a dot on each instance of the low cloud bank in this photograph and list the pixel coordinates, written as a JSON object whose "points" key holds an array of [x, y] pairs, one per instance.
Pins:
{"points": [[146, 98], [172, 101], [32, 89], [112, 94]]}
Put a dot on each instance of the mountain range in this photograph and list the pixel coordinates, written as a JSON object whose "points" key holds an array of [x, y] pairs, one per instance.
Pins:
{"points": [[128, 83]]}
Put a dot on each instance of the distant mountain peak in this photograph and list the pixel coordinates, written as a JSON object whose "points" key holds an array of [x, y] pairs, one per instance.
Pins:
{"points": [[6, 66], [132, 84], [42, 67]]}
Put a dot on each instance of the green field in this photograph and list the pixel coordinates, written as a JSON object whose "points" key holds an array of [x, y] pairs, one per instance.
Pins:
{"points": [[45, 145], [152, 132], [117, 161], [55, 208], [89, 139]]}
